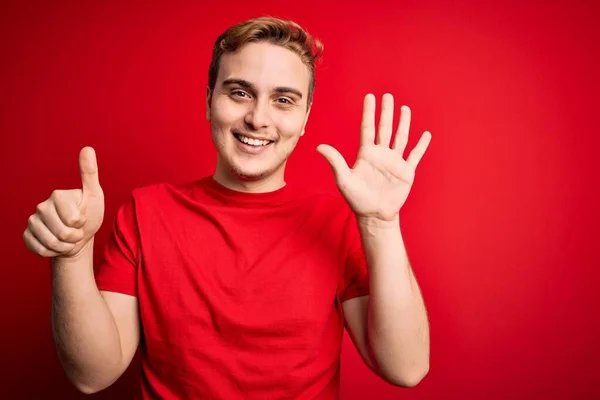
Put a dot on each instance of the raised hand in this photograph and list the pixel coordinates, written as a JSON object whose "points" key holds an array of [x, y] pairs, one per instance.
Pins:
{"points": [[379, 182], [66, 222]]}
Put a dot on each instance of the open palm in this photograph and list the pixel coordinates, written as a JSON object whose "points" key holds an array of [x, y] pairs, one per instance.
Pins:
{"points": [[379, 182]]}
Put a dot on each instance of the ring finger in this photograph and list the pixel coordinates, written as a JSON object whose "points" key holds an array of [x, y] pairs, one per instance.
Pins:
{"points": [[34, 245], [43, 234]]}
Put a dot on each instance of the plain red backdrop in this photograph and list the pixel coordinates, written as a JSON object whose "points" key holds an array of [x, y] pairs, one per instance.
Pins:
{"points": [[502, 222]]}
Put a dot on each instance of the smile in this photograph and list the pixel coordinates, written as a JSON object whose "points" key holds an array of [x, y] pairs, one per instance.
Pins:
{"points": [[252, 142]]}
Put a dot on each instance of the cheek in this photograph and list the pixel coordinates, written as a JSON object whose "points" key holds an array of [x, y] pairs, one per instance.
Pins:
{"points": [[225, 113], [290, 125]]}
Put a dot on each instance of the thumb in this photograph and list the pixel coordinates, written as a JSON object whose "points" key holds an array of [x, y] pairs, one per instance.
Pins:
{"points": [[335, 160], [88, 167]]}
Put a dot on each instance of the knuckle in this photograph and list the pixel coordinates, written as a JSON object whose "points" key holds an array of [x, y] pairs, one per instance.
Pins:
{"points": [[53, 243], [41, 207], [62, 235], [79, 234], [71, 219], [56, 194]]}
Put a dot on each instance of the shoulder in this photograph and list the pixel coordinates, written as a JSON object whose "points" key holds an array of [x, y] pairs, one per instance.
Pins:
{"points": [[159, 190], [329, 203], [157, 196]]}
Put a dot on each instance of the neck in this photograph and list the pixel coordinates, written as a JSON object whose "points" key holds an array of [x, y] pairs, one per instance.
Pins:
{"points": [[230, 180]]}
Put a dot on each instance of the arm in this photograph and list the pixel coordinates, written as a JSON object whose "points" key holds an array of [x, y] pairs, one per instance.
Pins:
{"points": [[389, 327], [96, 334]]}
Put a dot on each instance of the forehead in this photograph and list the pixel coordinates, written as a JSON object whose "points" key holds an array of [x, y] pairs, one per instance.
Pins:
{"points": [[266, 66]]}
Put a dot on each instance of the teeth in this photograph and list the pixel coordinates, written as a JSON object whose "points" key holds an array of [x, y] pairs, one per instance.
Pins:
{"points": [[253, 142]]}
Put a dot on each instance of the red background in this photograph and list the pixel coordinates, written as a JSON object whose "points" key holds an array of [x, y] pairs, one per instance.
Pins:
{"points": [[502, 222]]}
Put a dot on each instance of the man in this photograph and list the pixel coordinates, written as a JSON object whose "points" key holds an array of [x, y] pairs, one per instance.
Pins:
{"points": [[238, 285]]}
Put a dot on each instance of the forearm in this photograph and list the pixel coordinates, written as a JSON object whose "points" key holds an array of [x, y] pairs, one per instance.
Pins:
{"points": [[398, 329], [85, 333]]}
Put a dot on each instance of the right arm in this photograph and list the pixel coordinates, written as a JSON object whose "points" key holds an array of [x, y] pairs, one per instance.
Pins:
{"points": [[96, 333]]}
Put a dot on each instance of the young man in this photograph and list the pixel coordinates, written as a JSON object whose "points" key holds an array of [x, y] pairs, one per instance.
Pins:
{"points": [[237, 285]]}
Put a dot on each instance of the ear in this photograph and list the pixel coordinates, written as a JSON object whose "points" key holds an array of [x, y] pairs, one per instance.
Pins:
{"points": [[208, 99], [306, 119]]}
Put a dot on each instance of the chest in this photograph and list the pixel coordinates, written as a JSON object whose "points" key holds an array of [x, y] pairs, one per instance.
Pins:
{"points": [[242, 280]]}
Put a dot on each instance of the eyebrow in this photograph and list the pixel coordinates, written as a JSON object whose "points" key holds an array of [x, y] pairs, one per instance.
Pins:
{"points": [[247, 85]]}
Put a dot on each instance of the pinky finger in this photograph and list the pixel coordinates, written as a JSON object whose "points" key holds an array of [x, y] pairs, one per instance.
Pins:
{"points": [[419, 150], [35, 246]]}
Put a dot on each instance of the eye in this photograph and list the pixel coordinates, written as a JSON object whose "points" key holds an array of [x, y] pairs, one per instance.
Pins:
{"points": [[239, 93], [284, 100]]}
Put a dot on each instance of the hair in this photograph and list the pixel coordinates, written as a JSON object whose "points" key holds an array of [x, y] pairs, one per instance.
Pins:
{"points": [[287, 34]]}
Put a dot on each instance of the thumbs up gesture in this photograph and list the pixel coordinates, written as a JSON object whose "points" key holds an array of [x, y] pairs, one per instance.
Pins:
{"points": [[65, 223]]}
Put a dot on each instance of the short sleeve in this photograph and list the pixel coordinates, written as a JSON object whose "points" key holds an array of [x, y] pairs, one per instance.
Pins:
{"points": [[355, 277], [117, 271]]}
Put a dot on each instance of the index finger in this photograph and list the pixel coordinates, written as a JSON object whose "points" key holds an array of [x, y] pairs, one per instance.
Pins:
{"points": [[367, 127]]}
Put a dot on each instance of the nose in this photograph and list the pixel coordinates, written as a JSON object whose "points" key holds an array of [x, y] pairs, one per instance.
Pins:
{"points": [[257, 116]]}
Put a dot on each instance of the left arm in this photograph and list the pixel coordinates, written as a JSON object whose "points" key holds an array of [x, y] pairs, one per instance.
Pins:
{"points": [[389, 327]]}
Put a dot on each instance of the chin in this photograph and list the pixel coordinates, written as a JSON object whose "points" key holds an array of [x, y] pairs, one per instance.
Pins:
{"points": [[250, 174], [250, 178]]}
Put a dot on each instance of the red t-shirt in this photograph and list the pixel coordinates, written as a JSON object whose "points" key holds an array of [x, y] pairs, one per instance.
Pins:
{"points": [[239, 294]]}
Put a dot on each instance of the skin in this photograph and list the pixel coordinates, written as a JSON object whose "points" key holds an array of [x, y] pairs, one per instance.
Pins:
{"points": [[391, 331], [251, 96], [389, 327]]}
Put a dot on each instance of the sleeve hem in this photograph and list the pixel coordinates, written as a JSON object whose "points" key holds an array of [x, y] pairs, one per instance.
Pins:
{"points": [[358, 292], [118, 287]]}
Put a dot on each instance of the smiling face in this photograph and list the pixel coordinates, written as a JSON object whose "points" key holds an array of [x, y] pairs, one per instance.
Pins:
{"points": [[258, 111]]}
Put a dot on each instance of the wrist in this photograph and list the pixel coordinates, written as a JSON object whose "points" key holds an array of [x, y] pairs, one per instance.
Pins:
{"points": [[86, 252], [371, 222]]}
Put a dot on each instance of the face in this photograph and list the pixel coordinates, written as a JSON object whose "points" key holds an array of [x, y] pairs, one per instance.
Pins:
{"points": [[258, 111]]}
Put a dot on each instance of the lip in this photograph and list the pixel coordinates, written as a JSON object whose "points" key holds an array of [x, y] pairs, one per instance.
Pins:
{"points": [[251, 136]]}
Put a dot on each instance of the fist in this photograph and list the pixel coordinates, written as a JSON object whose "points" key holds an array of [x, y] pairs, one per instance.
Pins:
{"points": [[66, 222]]}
